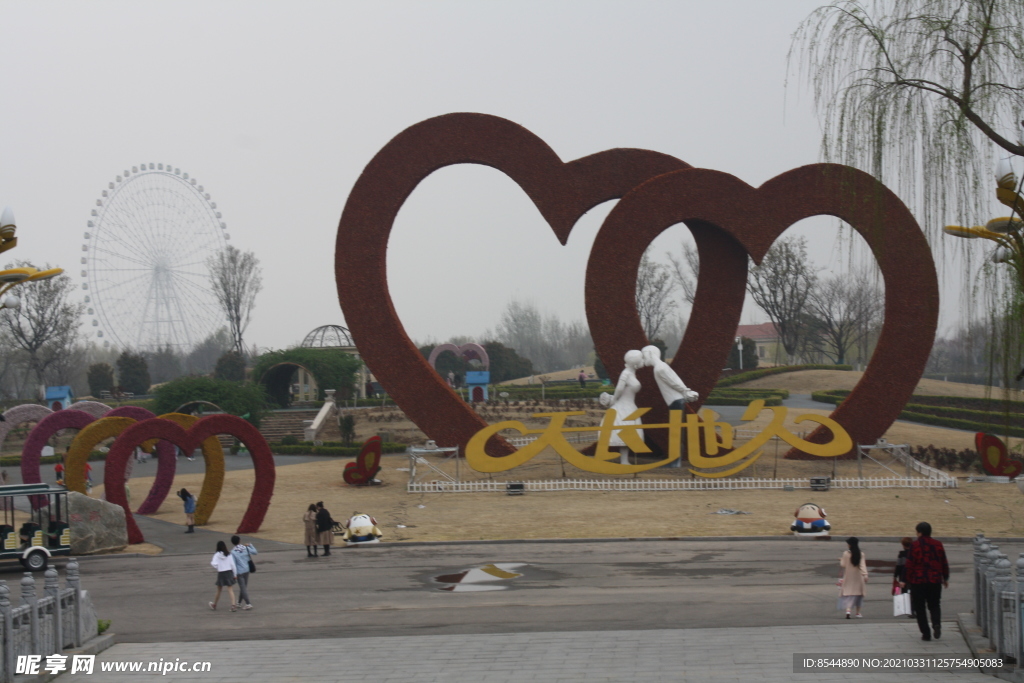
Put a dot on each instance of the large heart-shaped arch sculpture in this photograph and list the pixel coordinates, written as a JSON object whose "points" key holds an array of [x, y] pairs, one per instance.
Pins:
{"points": [[562, 192], [188, 441], [755, 217]]}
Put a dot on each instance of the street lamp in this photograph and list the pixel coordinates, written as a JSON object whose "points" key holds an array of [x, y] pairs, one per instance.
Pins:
{"points": [[739, 344]]}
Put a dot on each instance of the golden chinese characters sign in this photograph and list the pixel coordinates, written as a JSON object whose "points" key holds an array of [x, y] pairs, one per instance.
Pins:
{"points": [[716, 436]]}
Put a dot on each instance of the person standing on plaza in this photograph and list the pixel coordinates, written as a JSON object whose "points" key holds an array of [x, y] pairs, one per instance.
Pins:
{"points": [[190, 509], [324, 526], [927, 575], [583, 379], [224, 563], [242, 554], [309, 519], [855, 576]]}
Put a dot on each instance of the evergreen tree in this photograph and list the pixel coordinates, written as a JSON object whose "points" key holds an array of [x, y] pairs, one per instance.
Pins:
{"points": [[133, 373], [100, 378], [230, 366]]}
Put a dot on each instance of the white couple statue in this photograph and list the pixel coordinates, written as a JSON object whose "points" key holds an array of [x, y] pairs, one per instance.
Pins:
{"points": [[623, 401]]}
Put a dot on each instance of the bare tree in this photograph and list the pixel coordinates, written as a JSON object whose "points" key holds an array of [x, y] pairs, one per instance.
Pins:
{"points": [[780, 285], [682, 268], [203, 358], [45, 326], [921, 92], [237, 279], [655, 295], [546, 341], [842, 310]]}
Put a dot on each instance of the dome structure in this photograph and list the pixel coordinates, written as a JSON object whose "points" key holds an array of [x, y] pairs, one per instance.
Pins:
{"points": [[328, 337]]}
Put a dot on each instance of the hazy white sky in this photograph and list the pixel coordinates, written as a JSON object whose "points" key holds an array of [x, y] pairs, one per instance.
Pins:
{"points": [[277, 106]]}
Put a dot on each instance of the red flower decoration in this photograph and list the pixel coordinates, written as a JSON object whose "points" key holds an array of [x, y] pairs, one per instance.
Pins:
{"points": [[361, 472], [995, 460]]}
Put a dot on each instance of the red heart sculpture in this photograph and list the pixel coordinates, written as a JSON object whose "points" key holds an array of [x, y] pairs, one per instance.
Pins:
{"points": [[755, 217], [360, 472], [188, 441], [71, 418], [561, 191]]}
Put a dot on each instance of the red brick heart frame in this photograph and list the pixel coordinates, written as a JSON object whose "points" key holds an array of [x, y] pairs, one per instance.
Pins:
{"points": [[755, 217], [32, 451], [562, 192], [188, 441]]}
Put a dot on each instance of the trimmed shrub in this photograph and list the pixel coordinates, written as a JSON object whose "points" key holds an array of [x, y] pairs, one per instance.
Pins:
{"points": [[246, 400], [741, 377], [333, 448]]}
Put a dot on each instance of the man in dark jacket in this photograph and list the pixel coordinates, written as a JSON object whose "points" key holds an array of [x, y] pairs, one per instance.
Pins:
{"points": [[927, 574]]}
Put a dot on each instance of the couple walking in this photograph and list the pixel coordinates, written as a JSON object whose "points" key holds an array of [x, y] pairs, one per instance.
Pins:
{"points": [[925, 572], [233, 567], [623, 401]]}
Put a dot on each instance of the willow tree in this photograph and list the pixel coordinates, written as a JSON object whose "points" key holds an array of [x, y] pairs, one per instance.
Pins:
{"points": [[923, 94]]}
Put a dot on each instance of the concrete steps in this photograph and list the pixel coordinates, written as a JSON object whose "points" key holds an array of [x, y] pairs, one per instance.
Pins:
{"points": [[278, 424]]}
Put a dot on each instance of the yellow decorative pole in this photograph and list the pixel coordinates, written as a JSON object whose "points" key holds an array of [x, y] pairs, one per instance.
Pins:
{"points": [[1005, 231], [12, 277]]}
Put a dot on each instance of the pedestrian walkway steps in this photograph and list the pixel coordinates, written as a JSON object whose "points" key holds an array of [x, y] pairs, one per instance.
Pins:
{"points": [[764, 655], [278, 424]]}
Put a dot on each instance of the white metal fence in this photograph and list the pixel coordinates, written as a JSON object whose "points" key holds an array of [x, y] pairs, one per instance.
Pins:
{"points": [[666, 484]]}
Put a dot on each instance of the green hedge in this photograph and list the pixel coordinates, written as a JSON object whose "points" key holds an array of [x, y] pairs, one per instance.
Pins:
{"points": [[741, 377], [969, 425], [929, 410], [332, 448]]}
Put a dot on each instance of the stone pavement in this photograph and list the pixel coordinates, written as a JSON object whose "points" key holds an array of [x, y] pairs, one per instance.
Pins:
{"points": [[729, 655]]}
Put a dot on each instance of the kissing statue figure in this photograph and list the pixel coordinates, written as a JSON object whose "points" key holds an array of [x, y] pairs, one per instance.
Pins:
{"points": [[623, 401], [673, 390]]}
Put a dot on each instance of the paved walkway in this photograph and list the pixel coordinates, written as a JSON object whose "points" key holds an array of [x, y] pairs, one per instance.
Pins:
{"points": [[734, 655]]}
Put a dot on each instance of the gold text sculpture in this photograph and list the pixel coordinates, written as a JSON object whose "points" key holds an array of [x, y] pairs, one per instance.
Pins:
{"points": [[717, 435]]}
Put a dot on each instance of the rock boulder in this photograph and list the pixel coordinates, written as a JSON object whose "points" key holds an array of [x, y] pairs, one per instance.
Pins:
{"points": [[96, 525]]}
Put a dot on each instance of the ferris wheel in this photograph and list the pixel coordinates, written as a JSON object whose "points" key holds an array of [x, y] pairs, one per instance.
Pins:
{"points": [[144, 266]]}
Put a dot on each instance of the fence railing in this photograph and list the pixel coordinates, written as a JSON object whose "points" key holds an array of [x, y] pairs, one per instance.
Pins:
{"points": [[41, 625], [999, 598], [673, 484]]}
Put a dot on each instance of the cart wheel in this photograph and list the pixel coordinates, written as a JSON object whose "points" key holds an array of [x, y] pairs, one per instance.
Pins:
{"points": [[35, 561]]}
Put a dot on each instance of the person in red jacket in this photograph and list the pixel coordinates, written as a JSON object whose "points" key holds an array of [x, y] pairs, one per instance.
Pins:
{"points": [[927, 573]]}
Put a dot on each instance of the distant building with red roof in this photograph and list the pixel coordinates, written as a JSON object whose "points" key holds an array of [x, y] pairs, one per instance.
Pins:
{"points": [[766, 336]]}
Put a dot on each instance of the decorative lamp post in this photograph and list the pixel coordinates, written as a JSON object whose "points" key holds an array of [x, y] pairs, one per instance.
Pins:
{"points": [[1005, 231], [12, 277], [739, 345]]}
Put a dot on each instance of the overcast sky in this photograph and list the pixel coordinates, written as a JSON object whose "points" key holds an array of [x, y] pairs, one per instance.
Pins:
{"points": [[276, 107]]}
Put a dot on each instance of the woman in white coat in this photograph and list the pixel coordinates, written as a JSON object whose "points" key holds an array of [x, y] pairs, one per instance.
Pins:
{"points": [[224, 563], [855, 576]]}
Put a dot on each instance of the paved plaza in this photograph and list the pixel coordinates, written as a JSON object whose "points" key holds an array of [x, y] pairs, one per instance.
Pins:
{"points": [[658, 610], [729, 655]]}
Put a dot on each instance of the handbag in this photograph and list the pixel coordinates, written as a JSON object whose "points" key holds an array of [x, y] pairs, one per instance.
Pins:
{"points": [[252, 565], [900, 604]]}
